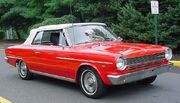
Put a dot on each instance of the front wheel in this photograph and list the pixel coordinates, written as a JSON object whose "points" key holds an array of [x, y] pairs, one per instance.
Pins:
{"points": [[91, 84], [24, 71], [147, 81]]}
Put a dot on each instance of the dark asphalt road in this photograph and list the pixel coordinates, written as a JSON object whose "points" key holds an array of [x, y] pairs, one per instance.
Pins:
{"points": [[166, 89]]}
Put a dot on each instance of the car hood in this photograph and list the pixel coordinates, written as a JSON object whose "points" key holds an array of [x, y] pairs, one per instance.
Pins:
{"points": [[128, 50]]}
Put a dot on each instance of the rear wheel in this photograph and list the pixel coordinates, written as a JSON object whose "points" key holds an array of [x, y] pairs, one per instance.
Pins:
{"points": [[91, 84], [23, 71], [147, 81]]}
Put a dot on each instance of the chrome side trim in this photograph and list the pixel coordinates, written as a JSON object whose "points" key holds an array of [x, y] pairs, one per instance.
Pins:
{"points": [[53, 76], [83, 60], [139, 75], [13, 57]]}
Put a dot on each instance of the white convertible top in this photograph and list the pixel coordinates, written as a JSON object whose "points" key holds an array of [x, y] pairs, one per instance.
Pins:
{"points": [[54, 27], [62, 26]]}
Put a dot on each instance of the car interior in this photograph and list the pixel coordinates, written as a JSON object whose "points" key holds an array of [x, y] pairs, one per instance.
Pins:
{"points": [[54, 38]]}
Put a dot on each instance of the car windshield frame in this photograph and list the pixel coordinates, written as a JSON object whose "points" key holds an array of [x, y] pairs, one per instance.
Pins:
{"points": [[85, 31]]}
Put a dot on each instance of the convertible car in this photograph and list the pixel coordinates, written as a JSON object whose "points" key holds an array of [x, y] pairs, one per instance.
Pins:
{"points": [[88, 54]]}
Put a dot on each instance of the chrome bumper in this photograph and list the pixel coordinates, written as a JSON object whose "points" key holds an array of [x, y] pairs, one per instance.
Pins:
{"points": [[139, 75], [6, 59]]}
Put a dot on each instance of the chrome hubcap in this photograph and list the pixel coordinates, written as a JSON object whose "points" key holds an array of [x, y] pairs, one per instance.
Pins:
{"points": [[23, 69], [89, 82]]}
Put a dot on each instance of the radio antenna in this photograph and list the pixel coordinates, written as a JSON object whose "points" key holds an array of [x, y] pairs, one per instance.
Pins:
{"points": [[71, 12]]}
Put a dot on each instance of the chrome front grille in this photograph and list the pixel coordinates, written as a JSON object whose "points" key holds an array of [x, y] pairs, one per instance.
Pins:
{"points": [[142, 60], [132, 67]]}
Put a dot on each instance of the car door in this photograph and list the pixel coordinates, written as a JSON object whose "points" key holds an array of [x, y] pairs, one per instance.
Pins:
{"points": [[33, 56], [53, 45]]}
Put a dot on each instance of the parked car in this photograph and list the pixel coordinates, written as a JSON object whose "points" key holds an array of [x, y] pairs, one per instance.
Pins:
{"points": [[88, 54]]}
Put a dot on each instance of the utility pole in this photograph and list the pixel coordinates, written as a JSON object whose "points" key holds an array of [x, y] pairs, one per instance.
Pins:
{"points": [[155, 12]]}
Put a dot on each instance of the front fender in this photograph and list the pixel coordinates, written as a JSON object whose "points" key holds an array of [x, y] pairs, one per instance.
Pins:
{"points": [[100, 68]]}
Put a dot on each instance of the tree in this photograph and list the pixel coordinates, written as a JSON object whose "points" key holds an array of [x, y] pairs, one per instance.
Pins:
{"points": [[52, 21], [14, 17], [169, 27], [2, 35], [133, 26], [135, 22], [130, 19]]}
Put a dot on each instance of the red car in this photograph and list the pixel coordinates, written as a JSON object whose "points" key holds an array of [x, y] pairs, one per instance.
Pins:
{"points": [[88, 54]]}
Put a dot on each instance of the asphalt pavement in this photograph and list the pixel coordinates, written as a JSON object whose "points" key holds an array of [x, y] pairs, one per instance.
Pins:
{"points": [[166, 89]]}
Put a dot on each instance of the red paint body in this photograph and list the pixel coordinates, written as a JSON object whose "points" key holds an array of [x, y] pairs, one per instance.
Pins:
{"points": [[46, 60]]}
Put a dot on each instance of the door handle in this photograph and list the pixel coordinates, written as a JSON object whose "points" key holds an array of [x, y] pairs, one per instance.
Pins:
{"points": [[61, 57], [37, 52]]}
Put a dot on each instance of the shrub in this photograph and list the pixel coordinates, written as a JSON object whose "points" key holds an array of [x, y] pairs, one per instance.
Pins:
{"points": [[2, 35]]}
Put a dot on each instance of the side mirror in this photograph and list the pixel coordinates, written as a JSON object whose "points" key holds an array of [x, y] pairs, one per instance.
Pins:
{"points": [[119, 38], [60, 45]]}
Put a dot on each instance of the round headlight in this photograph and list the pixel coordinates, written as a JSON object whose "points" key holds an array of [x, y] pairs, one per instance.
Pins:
{"points": [[120, 63], [168, 54]]}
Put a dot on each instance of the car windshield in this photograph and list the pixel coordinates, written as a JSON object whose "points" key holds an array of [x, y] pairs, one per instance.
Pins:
{"points": [[90, 33]]}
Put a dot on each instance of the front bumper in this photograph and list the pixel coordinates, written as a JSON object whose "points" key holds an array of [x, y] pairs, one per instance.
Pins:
{"points": [[6, 59], [139, 75]]}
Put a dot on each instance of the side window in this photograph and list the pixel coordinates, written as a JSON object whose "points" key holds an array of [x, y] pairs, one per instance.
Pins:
{"points": [[37, 39], [46, 38], [63, 40], [53, 38]]}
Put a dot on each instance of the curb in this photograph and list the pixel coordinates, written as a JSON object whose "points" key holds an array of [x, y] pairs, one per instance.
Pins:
{"points": [[3, 100], [176, 63]]}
